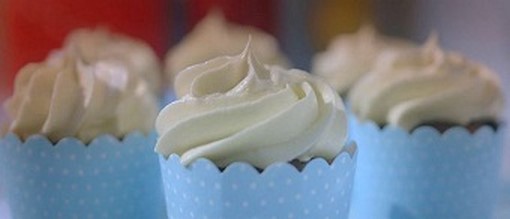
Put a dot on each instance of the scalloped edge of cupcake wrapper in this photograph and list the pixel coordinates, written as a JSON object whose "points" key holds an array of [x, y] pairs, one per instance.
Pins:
{"points": [[200, 190], [425, 174], [72, 142], [107, 178]]}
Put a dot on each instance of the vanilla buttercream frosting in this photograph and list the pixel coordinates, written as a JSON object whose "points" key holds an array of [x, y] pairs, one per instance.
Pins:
{"points": [[426, 85], [350, 56], [233, 108], [100, 44], [71, 97], [214, 36]]}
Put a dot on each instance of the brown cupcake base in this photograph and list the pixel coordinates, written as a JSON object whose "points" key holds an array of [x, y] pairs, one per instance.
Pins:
{"points": [[299, 165], [471, 127], [441, 127]]}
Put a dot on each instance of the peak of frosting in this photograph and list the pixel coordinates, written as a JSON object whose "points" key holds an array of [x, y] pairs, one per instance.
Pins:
{"points": [[233, 108], [214, 36], [222, 74], [93, 45], [350, 56], [68, 96], [427, 84]]}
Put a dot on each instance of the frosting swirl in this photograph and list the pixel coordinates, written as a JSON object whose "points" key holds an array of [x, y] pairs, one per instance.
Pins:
{"points": [[101, 45], [213, 36], [236, 109], [426, 85], [350, 56], [69, 96]]}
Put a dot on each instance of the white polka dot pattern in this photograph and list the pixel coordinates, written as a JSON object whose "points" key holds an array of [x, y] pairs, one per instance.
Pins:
{"points": [[425, 174], [201, 191], [105, 179]]}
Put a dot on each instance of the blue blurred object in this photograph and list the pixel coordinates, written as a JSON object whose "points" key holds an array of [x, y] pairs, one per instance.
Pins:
{"points": [[294, 34], [168, 97]]}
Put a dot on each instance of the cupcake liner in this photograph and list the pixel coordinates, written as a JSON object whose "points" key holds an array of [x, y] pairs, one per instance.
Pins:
{"points": [[201, 190], [425, 174], [106, 179]]}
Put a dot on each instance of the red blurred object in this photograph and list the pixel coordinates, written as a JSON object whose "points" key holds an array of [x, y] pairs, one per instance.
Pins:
{"points": [[33, 28], [258, 13]]}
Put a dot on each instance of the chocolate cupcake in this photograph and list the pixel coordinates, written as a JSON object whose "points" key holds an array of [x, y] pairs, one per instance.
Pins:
{"points": [[235, 116], [428, 126], [80, 141]]}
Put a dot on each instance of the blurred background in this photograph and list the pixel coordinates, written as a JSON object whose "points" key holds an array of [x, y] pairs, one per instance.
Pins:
{"points": [[480, 29]]}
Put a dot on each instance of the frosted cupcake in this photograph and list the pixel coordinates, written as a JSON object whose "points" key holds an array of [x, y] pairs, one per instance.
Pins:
{"points": [[229, 144], [428, 126], [214, 36], [350, 56], [80, 142]]}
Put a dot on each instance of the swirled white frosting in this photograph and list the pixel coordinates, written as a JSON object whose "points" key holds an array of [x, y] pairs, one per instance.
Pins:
{"points": [[236, 109], [94, 45], [427, 85], [213, 37], [350, 56], [70, 97]]}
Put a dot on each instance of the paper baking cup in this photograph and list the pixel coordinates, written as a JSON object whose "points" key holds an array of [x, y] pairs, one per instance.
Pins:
{"points": [[425, 174], [106, 179], [201, 190]]}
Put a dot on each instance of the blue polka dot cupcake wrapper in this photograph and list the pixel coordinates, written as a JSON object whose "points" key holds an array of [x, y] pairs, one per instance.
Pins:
{"points": [[109, 178], [201, 190], [425, 174]]}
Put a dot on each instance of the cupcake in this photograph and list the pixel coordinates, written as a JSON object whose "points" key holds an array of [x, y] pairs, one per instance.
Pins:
{"points": [[247, 140], [428, 126], [350, 56], [214, 36], [80, 142]]}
